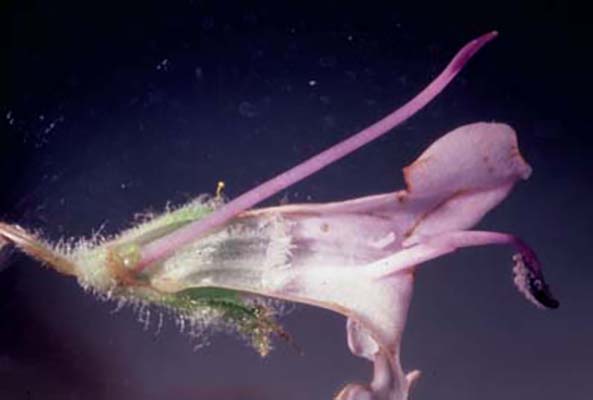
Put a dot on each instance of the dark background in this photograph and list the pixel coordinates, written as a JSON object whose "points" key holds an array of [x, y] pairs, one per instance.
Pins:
{"points": [[112, 108]]}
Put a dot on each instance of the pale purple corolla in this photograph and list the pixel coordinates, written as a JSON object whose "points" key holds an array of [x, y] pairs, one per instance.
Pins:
{"points": [[358, 257], [355, 257]]}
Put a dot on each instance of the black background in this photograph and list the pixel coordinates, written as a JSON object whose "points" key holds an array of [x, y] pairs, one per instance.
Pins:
{"points": [[111, 108]]}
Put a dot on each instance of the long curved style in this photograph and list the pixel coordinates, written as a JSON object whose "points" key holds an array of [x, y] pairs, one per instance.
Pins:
{"points": [[356, 257], [168, 244]]}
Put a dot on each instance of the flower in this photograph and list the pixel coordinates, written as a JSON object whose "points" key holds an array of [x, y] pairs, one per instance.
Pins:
{"points": [[209, 262]]}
